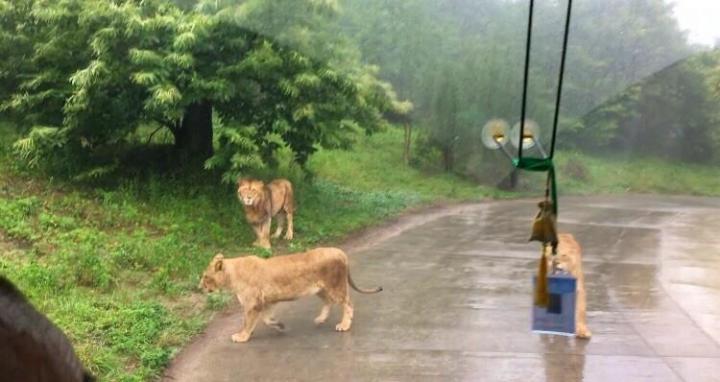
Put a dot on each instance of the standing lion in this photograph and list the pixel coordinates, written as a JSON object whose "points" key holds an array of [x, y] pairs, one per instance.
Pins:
{"points": [[261, 202], [569, 259], [259, 284]]}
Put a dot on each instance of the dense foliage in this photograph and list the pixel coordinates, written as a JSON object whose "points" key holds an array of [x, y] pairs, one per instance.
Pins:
{"points": [[672, 114], [231, 82], [461, 63], [83, 75]]}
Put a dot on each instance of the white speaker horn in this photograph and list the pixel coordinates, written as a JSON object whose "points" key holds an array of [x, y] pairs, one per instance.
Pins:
{"points": [[495, 134]]}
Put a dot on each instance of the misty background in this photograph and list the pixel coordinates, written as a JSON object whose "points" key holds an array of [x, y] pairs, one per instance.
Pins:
{"points": [[634, 85], [637, 84]]}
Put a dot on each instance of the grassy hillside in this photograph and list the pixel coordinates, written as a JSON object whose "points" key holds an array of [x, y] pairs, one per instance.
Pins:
{"points": [[116, 266], [376, 164], [584, 174]]}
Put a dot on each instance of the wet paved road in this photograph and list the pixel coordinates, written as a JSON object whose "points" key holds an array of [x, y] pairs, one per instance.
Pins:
{"points": [[456, 304]]}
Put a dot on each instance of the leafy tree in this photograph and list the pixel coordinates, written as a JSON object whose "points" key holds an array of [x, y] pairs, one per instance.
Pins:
{"points": [[613, 45], [101, 69], [671, 114]]}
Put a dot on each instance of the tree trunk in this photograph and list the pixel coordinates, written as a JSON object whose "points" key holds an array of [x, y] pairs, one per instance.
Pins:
{"points": [[408, 142], [510, 181], [194, 138], [447, 155]]}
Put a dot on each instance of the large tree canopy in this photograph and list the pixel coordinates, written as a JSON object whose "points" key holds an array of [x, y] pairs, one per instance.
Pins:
{"points": [[82, 75]]}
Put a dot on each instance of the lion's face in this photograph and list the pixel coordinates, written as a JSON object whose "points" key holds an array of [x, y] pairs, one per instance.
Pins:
{"points": [[250, 191], [214, 276], [565, 262]]}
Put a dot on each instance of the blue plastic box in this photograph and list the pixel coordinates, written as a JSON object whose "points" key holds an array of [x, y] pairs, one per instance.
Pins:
{"points": [[559, 316]]}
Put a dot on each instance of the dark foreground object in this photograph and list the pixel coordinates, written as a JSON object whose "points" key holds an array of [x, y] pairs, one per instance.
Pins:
{"points": [[31, 347]]}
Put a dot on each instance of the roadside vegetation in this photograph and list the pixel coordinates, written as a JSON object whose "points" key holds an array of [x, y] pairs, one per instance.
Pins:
{"points": [[116, 263]]}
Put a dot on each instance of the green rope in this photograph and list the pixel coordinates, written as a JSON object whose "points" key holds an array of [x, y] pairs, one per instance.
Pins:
{"points": [[541, 165]]}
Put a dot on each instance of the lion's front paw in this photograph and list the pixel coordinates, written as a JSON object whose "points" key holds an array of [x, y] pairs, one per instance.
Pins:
{"points": [[288, 235], [583, 333], [341, 327], [265, 244], [320, 320], [262, 243], [240, 337]]}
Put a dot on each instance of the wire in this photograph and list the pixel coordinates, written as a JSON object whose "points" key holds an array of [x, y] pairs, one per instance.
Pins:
{"points": [[560, 78], [525, 78]]}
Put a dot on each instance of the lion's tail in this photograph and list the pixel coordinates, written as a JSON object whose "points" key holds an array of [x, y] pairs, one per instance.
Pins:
{"points": [[365, 291]]}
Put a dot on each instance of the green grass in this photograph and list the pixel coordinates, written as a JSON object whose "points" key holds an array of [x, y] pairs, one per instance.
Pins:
{"points": [[116, 266], [611, 174], [376, 164]]}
